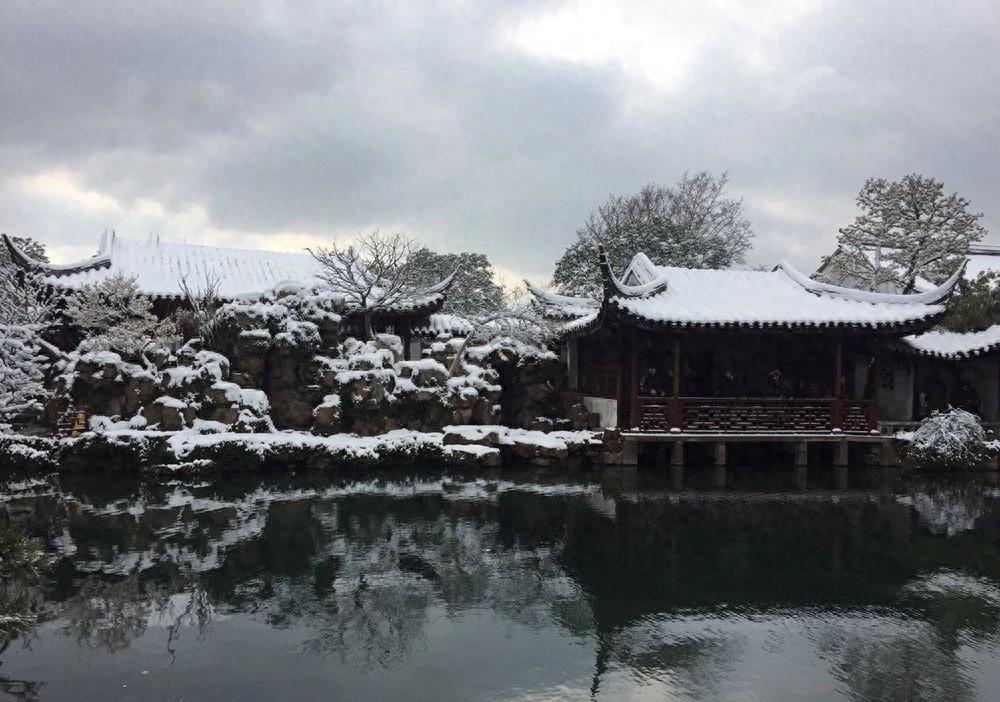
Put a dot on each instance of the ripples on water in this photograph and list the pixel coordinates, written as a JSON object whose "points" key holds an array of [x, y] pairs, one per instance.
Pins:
{"points": [[528, 586]]}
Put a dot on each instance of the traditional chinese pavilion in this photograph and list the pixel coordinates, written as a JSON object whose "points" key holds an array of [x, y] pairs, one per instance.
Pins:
{"points": [[674, 351]]}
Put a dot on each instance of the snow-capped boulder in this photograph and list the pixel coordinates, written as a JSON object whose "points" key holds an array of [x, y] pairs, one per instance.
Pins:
{"points": [[168, 413], [326, 416]]}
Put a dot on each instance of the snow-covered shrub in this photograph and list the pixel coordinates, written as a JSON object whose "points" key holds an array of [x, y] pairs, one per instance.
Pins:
{"points": [[116, 317], [950, 440], [22, 372], [30, 453], [27, 308]]}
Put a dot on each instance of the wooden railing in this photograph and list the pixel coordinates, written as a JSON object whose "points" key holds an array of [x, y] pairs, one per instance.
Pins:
{"points": [[755, 414]]}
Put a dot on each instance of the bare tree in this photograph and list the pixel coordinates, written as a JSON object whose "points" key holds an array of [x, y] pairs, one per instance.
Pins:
{"points": [[515, 321], [906, 230], [376, 273]]}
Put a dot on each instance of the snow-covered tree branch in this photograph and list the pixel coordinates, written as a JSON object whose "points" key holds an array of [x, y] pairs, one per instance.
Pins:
{"points": [[691, 224], [27, 307], [376, 273], [115, 316], [513, 320], [906, 230]]}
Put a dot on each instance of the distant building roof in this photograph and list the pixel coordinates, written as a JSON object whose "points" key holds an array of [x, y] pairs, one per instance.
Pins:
{"points": [[445, 325], [669, 297], [158, 267]]}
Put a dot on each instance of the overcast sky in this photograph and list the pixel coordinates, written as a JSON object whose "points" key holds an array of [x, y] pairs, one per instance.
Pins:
{"points": [[483, 126]]}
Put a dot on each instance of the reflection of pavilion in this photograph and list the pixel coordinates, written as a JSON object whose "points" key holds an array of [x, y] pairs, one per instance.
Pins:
{"points": [[339, 560]]}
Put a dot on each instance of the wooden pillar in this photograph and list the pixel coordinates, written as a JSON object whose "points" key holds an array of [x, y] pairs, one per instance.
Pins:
{"points": [[876, 379], [720, 453], [837, 410], [719, 477], [801, 454], [838, 377], [677, 453], [677, 477], [677, 367], [635, 416], [842, 478], [887, 456], [630, 452], [622, 387], [840, 453], [876, 382], [801, 478], [675, 413]]}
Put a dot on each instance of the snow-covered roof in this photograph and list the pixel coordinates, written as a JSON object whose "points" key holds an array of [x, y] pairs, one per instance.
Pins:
{"points": [[444, 325], [954, 345], [158, 267], [556, 306], [781, 297], [570, 314]]}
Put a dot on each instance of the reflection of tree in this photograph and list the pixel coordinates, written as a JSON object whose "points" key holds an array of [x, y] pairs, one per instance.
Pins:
{"points": [[111, 614], [370, 624], [27, 690], [22, 563], [900, 661]]}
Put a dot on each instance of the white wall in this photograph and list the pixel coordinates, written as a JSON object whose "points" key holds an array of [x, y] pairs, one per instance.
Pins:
{"points": [[605, 409], [896, 403]]}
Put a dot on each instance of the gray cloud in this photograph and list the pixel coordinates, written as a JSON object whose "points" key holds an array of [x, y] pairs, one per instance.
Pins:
{"points": [[229, 122]]}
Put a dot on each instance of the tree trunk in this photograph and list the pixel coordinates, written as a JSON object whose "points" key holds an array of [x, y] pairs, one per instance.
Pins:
{"points": [[457, 363], [368, 332]]}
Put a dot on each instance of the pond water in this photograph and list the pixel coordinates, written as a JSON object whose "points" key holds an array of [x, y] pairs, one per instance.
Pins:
{"points": [[749, 585]]}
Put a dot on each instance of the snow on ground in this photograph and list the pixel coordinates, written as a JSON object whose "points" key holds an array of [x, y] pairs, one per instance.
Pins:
{"points": [[477, 443], [184, 442], [506, 436]]}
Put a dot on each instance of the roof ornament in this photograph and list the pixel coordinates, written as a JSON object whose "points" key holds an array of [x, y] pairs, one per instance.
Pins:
{"points": [[26, 262], [613, 287], [937, 296], [443, 285]]}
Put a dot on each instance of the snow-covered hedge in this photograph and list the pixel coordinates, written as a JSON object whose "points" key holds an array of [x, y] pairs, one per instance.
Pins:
{"points": [[950, 440]]}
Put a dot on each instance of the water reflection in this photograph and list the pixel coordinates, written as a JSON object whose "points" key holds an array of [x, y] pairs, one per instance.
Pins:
{"points": [[526, 586]]}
